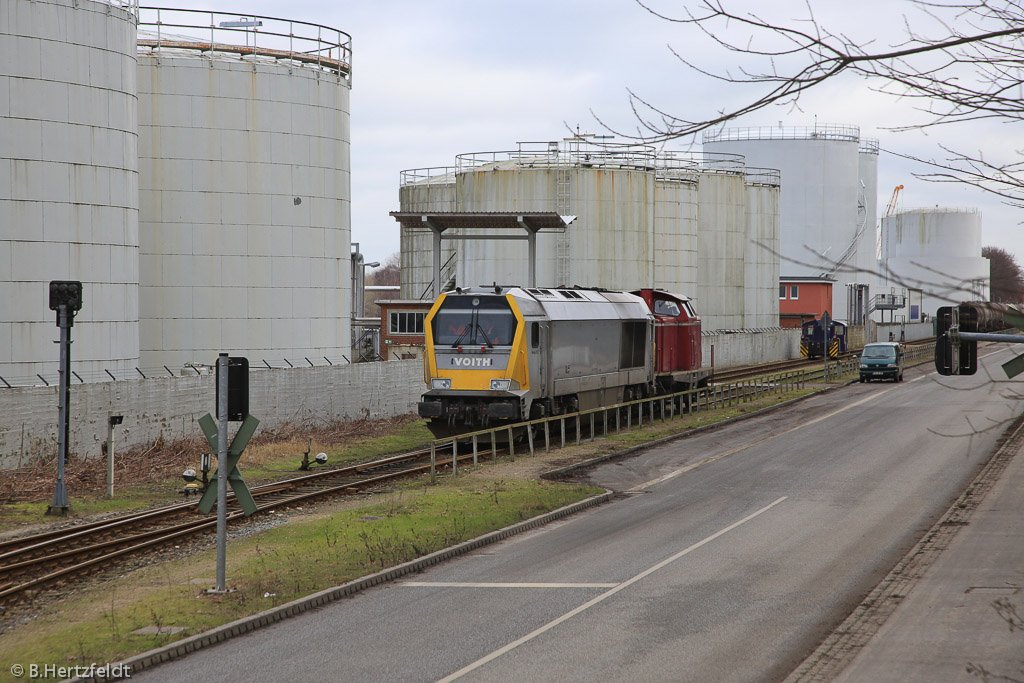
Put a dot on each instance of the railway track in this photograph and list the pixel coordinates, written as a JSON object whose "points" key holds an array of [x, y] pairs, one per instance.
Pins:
{"points": [[32, 563]]}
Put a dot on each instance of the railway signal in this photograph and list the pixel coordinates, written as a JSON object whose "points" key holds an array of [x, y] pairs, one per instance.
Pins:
{"points": [[956, 345], [953, 355], [232, 404], [66, 300]]}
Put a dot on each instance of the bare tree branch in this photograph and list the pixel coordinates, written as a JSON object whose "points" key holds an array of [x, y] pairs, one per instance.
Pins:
{"points": [[971, 70]]}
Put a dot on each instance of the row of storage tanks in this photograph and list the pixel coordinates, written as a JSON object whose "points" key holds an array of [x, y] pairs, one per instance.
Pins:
{"points": [[705, 225], [201, 195], [721, 225]]}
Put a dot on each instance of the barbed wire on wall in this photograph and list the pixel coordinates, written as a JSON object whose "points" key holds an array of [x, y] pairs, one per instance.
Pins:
{"points": [[187, 370]]}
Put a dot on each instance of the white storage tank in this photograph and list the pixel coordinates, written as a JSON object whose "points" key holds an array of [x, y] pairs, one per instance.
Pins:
{"points": [[761, 261], [937, 251], [671, 220], [244, 189], [825, 226], [68, 185]]}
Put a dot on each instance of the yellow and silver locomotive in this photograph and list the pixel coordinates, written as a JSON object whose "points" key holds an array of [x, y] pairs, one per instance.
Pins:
{"points": [[500, 355]]}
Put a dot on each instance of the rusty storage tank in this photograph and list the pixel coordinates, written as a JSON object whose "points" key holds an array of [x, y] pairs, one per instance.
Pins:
{"points": [[639, 221], [68, 185], [244, 188], [825, 226], [936, 251]]}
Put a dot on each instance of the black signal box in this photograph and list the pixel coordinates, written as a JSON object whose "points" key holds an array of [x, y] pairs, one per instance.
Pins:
{"points": [[238, 388], [66, 293], [965, 359]]}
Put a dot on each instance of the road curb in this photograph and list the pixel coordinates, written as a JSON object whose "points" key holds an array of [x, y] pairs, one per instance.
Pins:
{"points": [[152, 658]]}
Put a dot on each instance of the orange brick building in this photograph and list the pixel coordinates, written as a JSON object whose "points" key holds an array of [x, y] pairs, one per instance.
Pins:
{"points": [[803, 298]]}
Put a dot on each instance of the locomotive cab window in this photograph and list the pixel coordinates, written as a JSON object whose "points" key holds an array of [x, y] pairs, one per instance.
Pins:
{"points": [[535, 335], [474, 321], [665, 307]]}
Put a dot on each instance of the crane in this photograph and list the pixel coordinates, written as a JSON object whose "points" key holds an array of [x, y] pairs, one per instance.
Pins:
{"points": [[892, 202]]}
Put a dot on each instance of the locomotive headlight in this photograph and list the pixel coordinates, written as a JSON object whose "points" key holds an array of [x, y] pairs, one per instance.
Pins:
{"points": [[438, 383], [500, 384]]}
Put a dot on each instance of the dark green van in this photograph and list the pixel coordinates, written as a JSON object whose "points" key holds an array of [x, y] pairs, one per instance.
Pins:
{"points": [[883, 360]]}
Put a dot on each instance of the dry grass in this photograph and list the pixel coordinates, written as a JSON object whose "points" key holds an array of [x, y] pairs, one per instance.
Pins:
{"points": [[166, 459]]}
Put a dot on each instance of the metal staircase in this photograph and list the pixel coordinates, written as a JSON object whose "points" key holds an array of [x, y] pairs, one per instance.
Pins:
{"points": [[447, 277], [563, 186]]}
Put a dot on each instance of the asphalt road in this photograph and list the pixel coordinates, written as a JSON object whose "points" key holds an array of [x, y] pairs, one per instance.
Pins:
{"points": [[728, 556]]}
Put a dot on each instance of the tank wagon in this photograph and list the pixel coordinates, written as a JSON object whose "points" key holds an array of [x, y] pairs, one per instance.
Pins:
{"points": [[500, 355], [983, 316]]}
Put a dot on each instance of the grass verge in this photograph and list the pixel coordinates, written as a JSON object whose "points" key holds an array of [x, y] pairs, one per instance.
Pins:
{"points": [[304, 553]]}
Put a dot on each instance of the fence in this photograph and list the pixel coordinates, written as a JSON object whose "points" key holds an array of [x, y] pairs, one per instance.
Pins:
{"points": [[625, 415], [666, 407]]}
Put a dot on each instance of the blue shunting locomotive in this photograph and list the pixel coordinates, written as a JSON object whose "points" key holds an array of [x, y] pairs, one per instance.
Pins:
{"points": [[812, 339]]}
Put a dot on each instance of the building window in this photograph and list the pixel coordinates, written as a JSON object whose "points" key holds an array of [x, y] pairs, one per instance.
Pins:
{"points": [[794, 292], [782, 291], [406, 322]]}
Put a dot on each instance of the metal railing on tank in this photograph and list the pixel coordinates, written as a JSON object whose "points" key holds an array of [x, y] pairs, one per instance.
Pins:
{"points": [[298, 42], [820, 131]]}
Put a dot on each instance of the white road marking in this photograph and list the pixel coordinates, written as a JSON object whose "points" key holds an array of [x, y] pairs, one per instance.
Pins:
{"points": [[457, 584], [604, 596]]}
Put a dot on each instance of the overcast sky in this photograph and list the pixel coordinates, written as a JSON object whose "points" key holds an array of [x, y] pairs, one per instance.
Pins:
{"points": [[436, 78]]}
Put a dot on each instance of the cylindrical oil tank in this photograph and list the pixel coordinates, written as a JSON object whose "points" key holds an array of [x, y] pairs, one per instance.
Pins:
{"points": [[818, 203], [761, 306], [867, 207], [938, 251], [514, 184], [244, 188], [722, 247], [675, 228], [68, 185]]}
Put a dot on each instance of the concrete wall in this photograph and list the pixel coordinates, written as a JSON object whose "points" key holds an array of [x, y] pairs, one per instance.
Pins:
{"points": [[908, 331], [747, 348], [170, 406]]}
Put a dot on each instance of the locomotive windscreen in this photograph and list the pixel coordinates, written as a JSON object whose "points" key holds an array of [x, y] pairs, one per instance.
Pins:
{"points": [[474, 321]]}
